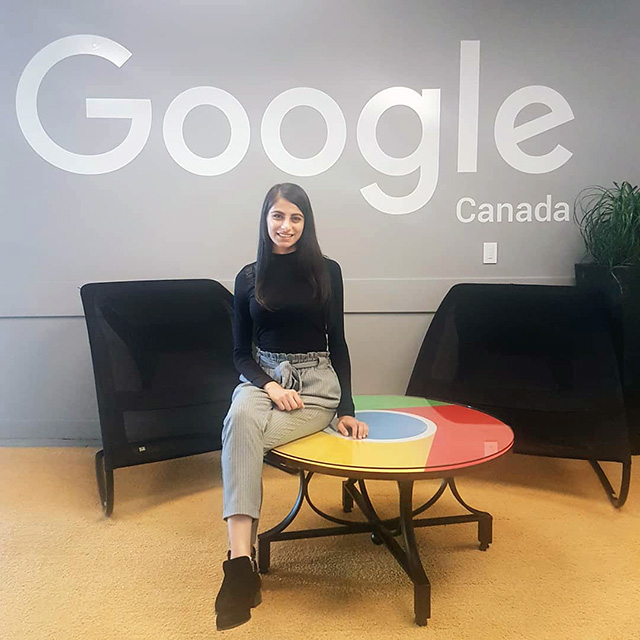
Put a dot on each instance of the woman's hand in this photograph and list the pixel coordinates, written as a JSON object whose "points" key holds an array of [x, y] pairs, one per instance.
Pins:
{"points": [[358, 429], [284, 399]]}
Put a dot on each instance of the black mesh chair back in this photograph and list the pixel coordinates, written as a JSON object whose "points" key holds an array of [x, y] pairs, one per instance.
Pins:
{"points": [[539, 358], [162, 353]]}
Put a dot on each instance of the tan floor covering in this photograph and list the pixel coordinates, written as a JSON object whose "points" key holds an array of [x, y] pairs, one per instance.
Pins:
{"points": [[564, 564]]}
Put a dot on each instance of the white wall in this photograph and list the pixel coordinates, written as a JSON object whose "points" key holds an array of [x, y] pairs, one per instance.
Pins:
{"points": [[462, 63]]}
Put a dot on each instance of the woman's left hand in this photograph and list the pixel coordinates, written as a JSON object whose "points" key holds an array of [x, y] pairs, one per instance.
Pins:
{"points": [[357, 428]]}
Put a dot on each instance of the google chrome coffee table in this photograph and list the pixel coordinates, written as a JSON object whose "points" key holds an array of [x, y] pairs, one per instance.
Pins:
{"points": [[409, 439]]}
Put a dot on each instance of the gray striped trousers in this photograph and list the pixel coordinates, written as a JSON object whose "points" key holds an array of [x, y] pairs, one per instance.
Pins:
{"points": [[254, 425]]}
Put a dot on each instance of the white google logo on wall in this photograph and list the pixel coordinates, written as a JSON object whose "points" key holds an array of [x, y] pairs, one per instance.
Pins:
{"points": [[426, 104]]}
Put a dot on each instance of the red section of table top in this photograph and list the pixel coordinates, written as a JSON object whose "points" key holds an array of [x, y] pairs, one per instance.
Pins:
{"points": [[464, 437]]}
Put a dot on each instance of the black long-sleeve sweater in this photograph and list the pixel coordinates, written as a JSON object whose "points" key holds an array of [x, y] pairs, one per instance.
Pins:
{"points": [[297, 324]]}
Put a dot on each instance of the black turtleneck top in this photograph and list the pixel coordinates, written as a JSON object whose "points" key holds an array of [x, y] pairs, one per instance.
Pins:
{"points": [[297, 324]]}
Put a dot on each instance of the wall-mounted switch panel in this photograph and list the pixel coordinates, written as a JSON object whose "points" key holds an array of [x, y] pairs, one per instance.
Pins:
{"points": [[490, 253]]}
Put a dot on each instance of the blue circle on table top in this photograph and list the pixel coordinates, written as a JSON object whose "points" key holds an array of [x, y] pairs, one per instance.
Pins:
{"points": [[390, 425]]}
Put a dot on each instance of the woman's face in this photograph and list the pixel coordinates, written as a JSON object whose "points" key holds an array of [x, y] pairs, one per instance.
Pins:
{"points": [[285, 223]]}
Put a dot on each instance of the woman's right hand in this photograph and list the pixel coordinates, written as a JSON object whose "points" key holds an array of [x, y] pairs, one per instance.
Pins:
{"points": [[284, 399]]}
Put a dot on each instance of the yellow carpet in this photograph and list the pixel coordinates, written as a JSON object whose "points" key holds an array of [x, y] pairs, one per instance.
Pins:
{"points": [[564, 564]]}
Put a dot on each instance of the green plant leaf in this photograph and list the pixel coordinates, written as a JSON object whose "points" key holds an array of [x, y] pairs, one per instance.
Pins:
{"points": [[609, 221]]}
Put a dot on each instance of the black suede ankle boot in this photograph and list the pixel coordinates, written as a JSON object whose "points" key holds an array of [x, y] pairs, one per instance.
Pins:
{"points": [[240, 591]]}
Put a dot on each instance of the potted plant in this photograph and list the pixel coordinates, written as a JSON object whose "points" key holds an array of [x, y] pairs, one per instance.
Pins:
{"points": [[609, 221]]}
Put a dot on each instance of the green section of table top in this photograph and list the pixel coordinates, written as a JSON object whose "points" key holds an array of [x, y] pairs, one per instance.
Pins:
{"points": [[364, 403]]}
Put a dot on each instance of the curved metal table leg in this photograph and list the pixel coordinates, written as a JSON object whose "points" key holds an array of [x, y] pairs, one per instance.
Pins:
{"points": [[104, 477], [485, 520], [347, 500], [617, 500], [264, 539], [433, 499], [382, 531], [421, 585]]}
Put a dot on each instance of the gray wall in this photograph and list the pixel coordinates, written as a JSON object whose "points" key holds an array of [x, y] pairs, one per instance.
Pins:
{"points": [[497, 103]]}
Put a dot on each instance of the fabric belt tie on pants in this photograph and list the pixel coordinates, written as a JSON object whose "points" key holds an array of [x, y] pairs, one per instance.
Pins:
{"points": [[286, 372]]}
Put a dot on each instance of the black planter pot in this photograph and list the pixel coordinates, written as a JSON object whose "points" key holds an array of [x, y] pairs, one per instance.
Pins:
{"points": [[619, 289]]}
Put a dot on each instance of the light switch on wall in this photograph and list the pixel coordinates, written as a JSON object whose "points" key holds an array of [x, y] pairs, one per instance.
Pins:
{"points": [[490, 253]]}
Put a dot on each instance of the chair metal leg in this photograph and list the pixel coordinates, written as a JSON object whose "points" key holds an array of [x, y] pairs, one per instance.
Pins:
{"points": [[617, 500], [104, 477]]}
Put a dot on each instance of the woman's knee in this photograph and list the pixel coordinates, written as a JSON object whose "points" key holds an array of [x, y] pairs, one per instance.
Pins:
{"points": [[244, 420]]}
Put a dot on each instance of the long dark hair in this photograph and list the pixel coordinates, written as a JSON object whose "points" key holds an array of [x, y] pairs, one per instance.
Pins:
{"points": [[310, 260]]}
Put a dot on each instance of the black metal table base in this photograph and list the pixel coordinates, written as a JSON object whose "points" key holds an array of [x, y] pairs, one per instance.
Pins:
{"points": [[383, 531]]}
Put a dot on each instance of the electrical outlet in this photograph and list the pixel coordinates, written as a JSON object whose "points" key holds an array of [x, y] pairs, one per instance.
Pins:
{"points": [[490, 253]]}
